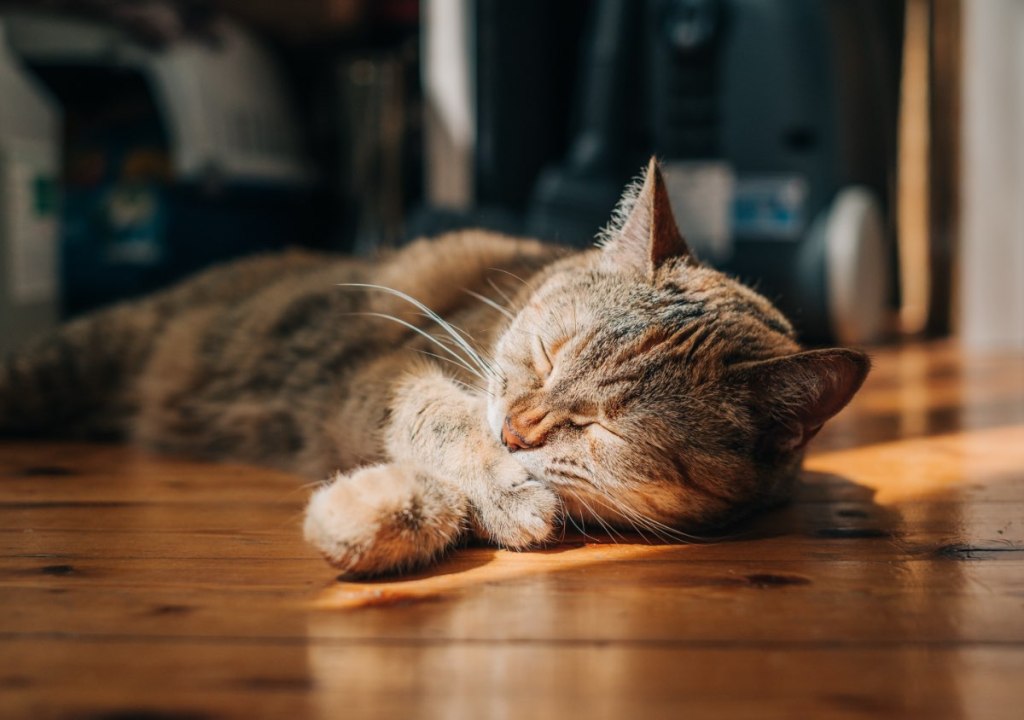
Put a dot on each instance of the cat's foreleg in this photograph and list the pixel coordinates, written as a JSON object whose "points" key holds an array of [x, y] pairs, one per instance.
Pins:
{"points": [[384, 518], [446, 474], [437, 425]]}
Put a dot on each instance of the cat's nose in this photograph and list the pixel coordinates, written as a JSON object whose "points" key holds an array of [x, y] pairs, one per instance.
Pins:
{"points": [[514, 438]]}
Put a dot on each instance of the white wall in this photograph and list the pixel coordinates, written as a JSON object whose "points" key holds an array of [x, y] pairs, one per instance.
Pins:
{"points": [[450, 101], [991, 256]]}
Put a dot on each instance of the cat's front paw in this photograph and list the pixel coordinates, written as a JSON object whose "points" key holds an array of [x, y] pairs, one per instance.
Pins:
{"points": [[383, 519], [517, 511]]}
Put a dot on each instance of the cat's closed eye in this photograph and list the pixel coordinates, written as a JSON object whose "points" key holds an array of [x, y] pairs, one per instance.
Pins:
{"points": [[602, 431], [544, 358]]}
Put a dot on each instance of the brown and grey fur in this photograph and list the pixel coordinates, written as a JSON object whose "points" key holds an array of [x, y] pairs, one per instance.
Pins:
{"points": [[626, 385]]}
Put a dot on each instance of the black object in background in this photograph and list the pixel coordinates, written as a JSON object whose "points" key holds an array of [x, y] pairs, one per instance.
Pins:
{"points": [[796, 101], [526, 63], [525, 60]]}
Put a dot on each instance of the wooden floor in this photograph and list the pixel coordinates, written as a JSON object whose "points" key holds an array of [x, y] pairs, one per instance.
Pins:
{"points": [[138, 587]]}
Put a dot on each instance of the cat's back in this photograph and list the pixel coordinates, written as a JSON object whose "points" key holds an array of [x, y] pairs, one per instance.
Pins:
{"points": [[428, 269], [274, 300], [277, 336], [240, 280]]}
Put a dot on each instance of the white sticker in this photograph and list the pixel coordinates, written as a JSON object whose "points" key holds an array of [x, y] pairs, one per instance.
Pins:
{"points": [[701, 194], [30, 220]]}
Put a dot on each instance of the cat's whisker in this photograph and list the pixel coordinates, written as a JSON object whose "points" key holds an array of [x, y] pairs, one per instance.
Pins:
{"points": [[658, 530], [662, 534], [496, 373], [562, 512], [488, 362], [497, 289], [490, 303], [464, 340], [423, 333], [502, 372], [315, 485], [597, 518], [470, 386], [632, 518], [513, 276], [441, 322], [485, 357], [628, 519], [576, 525], [674, 533], [444, 359], [582, 526]]}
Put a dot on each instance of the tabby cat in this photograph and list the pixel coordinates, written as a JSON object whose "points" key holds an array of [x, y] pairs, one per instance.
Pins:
{"points": [[473, 384]]}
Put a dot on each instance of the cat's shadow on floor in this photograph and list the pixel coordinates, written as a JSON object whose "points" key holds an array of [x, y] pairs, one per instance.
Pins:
{"points": [[824, 506]]}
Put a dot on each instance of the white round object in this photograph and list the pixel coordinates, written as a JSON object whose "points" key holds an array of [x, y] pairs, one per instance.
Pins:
{"points": [[857, 267]]}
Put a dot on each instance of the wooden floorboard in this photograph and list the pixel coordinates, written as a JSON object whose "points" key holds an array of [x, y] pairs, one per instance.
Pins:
{"points": [[893, 586]]}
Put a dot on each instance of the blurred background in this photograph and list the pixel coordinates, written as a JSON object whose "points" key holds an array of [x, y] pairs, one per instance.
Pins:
{"points": [[858, 161]]}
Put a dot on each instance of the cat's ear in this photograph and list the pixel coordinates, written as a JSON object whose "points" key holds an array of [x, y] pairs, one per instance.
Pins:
{"points": [[797, 393], [648, 235]]}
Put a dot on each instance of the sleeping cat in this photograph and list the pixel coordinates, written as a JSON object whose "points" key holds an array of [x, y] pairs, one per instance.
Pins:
{"points": [[474, 384]]}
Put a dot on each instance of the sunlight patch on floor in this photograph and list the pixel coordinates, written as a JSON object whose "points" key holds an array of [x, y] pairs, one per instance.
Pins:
{"points": [[477, 566], [908, 469]]}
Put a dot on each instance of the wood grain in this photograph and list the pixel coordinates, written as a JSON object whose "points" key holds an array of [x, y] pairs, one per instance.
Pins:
{"points": [[893, 586]]}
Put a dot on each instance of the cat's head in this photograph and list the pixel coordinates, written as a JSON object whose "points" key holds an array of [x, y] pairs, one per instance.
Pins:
{"points": [[647, 388]]}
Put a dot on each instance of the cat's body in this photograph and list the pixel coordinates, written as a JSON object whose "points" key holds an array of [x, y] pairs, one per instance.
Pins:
{"points": [[626, 384]]}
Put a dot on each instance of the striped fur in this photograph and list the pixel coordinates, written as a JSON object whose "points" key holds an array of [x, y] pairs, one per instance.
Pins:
{"points": [[641, 389]]}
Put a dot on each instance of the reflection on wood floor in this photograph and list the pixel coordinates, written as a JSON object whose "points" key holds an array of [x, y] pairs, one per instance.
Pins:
{"points": [[892, 586]]}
